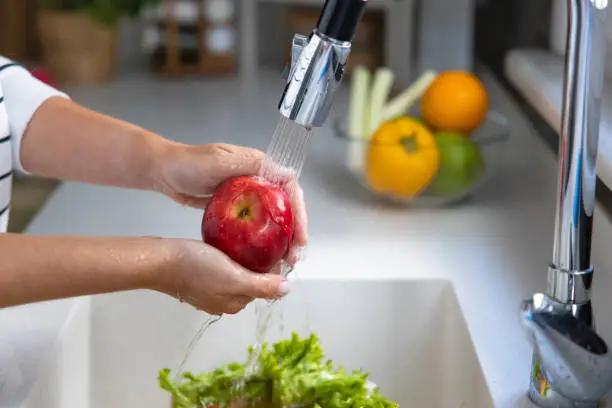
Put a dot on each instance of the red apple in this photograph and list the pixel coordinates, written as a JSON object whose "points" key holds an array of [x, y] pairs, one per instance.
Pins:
{"points": [[43, 75], [250, 219]]}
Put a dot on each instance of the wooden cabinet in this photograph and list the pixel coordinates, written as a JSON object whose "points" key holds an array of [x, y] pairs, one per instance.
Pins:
{"points": [[18, 36], [195, 37]]}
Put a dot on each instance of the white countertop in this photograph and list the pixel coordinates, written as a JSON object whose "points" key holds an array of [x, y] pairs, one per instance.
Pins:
{"points": [[495, 249]]}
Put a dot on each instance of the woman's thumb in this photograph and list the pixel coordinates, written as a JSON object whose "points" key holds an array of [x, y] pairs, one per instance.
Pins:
{"points": [[238, 161], [266, 286]]}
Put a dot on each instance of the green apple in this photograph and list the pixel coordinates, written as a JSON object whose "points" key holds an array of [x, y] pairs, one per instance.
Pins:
{"points": [[461, 164]]}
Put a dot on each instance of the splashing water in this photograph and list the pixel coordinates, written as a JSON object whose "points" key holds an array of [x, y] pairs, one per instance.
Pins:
{"points": [[285, 158], [286, 153], [283, 163], [209, 321]]}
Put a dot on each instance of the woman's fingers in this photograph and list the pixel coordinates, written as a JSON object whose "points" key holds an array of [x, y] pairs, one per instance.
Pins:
{"points": [[288, 180], [211, 281], [263, 286], [232, 161], [192, 201], [277, 269], [296, 195], [294, 255], [238, 304]]}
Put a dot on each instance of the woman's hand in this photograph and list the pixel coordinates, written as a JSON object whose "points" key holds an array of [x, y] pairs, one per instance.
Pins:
{"points": [[190, 175], [68, 266], [210, 281]]}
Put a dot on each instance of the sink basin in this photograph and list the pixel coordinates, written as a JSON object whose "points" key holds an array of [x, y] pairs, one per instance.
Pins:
{"points": [[409, 334]]}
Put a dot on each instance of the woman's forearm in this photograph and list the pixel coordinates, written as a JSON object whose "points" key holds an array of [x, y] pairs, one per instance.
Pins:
{"points": [[67, 141], [39, 268]]}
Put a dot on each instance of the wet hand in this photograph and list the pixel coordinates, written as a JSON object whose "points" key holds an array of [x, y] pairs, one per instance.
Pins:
{"points": [[190, 174], [210, 281]]}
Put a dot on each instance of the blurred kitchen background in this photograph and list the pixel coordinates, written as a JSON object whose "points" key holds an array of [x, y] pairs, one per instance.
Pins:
{"points": [[95, 49]]}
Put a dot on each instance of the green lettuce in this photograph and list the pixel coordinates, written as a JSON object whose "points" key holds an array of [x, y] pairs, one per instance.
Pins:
{"points": [[290, 373]]}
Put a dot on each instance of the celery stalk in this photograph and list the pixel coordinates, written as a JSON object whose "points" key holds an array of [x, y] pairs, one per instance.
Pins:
{"points": [[402, 103], [381, 87], [358, 105]]}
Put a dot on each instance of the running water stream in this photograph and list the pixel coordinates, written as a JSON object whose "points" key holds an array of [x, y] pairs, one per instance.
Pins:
{"points": [[286, 153], [285, 158]]}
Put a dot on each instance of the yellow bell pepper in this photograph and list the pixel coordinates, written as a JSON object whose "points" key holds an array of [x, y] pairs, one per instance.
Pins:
{"points": [[402, 158]]}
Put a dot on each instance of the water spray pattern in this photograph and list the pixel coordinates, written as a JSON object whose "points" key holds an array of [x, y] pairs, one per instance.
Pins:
{"points": [[286, 153], [282, 165], [285, 158]]}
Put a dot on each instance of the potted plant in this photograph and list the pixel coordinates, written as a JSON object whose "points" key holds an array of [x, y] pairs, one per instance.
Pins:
{"points": [[79, 37]]}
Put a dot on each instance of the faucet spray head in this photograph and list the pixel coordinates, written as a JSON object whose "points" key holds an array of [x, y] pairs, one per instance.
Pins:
{"points": [[318, 62]]}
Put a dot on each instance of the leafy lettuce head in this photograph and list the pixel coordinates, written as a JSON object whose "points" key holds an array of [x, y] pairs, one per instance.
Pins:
{"points": [[290, 373]]}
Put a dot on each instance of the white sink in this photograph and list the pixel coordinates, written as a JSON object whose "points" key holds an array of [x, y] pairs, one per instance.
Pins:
{"points": [[409, 334]]}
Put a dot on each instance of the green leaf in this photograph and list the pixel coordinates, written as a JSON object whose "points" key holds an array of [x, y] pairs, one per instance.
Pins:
{"points": [[290, 372]]}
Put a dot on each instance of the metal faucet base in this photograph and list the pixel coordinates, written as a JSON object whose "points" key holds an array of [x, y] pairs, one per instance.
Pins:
{"points": [[555, 400], [570, 358]]}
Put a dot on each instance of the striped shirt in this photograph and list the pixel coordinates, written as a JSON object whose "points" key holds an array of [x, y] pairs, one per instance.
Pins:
{"points": [[20, 328], [20, 96]]}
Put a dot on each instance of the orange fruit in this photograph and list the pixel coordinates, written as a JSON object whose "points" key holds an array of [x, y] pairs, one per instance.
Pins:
{"points": [[456, 101]]}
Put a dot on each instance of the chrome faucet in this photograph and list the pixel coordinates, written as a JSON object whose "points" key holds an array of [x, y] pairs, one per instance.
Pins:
{"points": [[318, 62], [572, 364]]}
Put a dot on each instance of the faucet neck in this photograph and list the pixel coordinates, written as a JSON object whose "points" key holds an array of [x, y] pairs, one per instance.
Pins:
{"points": [[572, 365], [583, 85]]}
